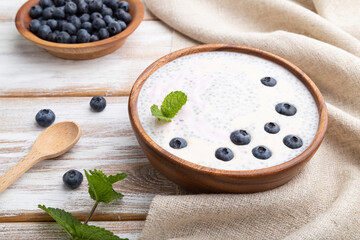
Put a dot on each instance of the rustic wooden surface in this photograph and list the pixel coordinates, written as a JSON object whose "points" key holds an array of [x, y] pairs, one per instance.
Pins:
{"points": [[32, 79]]}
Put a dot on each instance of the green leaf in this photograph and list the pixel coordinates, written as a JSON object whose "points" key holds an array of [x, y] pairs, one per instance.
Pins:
{"points": [[75, 229], [157, 113], [172, 103], [100, 185]]}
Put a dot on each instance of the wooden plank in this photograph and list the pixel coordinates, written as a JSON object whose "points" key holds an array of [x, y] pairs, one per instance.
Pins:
{"points": [[107, 144], [8, 10], [27, 70], [40, 230]]}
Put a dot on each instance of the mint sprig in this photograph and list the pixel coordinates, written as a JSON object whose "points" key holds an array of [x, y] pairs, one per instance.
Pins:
{"points": [[171, 105], [100, 190]]}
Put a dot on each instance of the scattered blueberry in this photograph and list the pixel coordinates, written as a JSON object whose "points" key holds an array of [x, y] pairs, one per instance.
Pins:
{"points": [[85, 18], [98, 103], [59, 13], [70, 8], [83, 36], [240, 137], [103, 33], [94, 38], [69, 28], [106, 11], [122, 15], [178, 143], [224, 154], [45, 117], [87, 26], [95, 5], [73, 179], [293, 141], [114, 28], [98, 23], [48, 13], [53, 24], [45, 3], [43, 31], [272, 127], [36, 11], [34, 25], [63, 37], [286, 109], [261, 152], [124, 5], [268, 81]]}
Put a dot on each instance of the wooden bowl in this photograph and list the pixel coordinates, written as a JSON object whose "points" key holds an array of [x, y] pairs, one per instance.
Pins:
{"points": [[79, 51], [204, 179]]}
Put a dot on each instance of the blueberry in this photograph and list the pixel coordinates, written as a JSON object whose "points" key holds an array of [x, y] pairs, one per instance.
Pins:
{"points": [[261, 152], [94, 38], [113, 4], [178, 143], [122, 24], [87, 26], [114, 28], [36, 11], [293, 141], [104, 33], [73, 39], [70, 8], [286, 109], [61, 24], [83, 36], [45, 117], [63, 37], [45, 3], [52, 23], [43, 31], [34, 25], [48, 13], [73, 179], [105, 11], [59, 3], [69, 28], [122, 15], [59, 13], [95, 5], [52, 37], [98, 23], [95, 15], [85, 18], [98, 103], [124, 5], [83, 7], [224, 154], [272, 127], [75, 21], [108, 19], [268, 81], [240, 137]]}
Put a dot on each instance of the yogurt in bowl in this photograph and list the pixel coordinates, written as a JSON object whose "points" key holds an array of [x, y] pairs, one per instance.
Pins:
{"points": [[244, 112]]}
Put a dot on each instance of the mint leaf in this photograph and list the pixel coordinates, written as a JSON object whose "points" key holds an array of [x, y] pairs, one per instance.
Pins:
{"points": [[75, 229], [100, 185], [157, 113], [172, 103]]}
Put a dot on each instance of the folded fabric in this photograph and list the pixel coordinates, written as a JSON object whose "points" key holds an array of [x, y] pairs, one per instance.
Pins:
{"points": [[322, 38]]}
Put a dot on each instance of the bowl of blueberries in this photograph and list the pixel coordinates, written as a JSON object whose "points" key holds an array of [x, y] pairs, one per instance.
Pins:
{"points": [[79, 29]]}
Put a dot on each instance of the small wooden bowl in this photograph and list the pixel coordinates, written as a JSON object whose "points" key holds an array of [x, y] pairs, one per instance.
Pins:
{"points": [[203, 179], [81, 51]]}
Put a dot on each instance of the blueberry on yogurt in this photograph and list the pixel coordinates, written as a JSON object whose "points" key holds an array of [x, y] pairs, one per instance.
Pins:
{"points": [[268, 81], [272, 127], [178, 143], [224, 154], [292, 141], [240, 137], [261, 152], [286, 109]]}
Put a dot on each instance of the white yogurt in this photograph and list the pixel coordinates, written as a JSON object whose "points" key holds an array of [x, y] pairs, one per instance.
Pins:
{"points": [[225, 94]]}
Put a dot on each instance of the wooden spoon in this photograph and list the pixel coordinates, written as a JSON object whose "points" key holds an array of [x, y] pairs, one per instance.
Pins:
{"points": [[51, 143]]}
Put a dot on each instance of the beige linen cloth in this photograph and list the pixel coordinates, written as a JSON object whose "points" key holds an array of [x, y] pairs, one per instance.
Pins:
{"points": [[322, 37]]}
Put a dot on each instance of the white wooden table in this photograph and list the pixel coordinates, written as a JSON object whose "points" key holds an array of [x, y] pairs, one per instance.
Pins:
{"points": [[32, 79]]}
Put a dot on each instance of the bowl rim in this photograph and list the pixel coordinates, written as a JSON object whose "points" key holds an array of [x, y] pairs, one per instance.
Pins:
{"points": [[137, 17], [303, 157]]}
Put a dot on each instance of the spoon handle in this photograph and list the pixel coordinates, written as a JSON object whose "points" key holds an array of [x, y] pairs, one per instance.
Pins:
{"points": [[19, 169]]}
